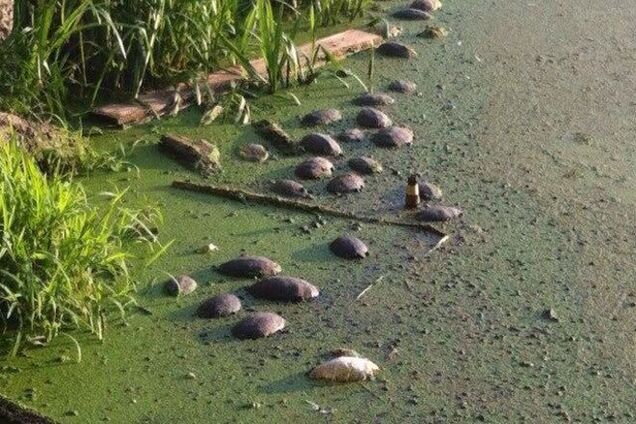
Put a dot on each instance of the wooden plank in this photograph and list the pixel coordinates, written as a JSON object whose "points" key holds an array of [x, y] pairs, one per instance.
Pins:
{"points": [[160, 102]]}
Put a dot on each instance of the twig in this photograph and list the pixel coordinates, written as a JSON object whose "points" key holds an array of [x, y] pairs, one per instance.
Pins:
{"points": [[363, 292]]}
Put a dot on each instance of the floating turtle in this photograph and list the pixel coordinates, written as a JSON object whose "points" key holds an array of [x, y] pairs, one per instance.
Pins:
{"points": [[395, 49], [365, 165], [286, 289], [370, 99], [345, 369], [370, 117], [429, 191], [321, 117], [412, 14], [180, 286], [290, 188], [250, 267], [259, 324], [402, 86], [347, 183], [426, 5], [314, 168], [321, 144], [439, 213], [393, 137], [254, 153], [352, 135], [435, 32], [219, 306], [348, 247]]}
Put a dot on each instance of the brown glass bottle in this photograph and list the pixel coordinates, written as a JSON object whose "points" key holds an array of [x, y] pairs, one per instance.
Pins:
{"points": [[412, 193]]}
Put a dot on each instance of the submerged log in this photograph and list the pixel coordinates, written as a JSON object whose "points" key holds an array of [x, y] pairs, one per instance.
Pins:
{"points": [[198, 155], [273, 133]]}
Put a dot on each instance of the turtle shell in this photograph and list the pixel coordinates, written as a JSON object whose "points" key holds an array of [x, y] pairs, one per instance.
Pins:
{"points": [[412, 14], [289, 188], [370, 99], [429, 191], [321, 117], [286, 289], [435, 32], [352, 135], [370, 117], [347, 183], [250, 267], [254, 153], [395, 49], [402, 86], [426, 5], [439, 213], [321, 144], [257, 325], [314, 168], [348, 247], [365, 165], [219, 306], [393, 137], [181, 285]]}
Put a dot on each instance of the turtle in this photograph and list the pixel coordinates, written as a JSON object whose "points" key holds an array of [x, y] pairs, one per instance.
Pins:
{"points": [[395, 49], [321, 117], [439, 213], [257, 325], [365, 165], [287, 289], [370, 117], [429, 191], [181, 285], [249, 267], [426, 5], [393, 137], [403, 86], [352, 135], [349, 247], [412, 14], [433, 31], [314, 168], [218, 306], [373, 99], [321, 144], [254, 152], [290, 188], [347, 183], [345, 369]]}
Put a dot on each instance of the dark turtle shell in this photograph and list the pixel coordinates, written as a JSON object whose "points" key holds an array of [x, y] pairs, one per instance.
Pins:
{"points": [[286, 289], [393, 137], [347, 183], [259, 324], [370, 117], [352, 135], [181, 285], [219, 306], [321, 117], [314, 168], [395, 49], [429, 191], [365, 165], [249, 267], [426, 5], [402, 86], [370, 99], [438, 213], [412, 14], [321, 144], [348, 247], [289, 188]]}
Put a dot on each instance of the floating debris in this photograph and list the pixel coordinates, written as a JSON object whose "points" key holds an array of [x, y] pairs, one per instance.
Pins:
{"points": [[427, 5], [347, 183], [348, 247], [254, 153], [321, 144], [352, 135], [290, 188], [435, 32], [370, 117], [321, 117], [412, 14], [250, 267], [403, 86], [370, 99], [199, 155], [439, 213], [430, 191], [345, 369], [393, 137], [365, 165], [273, 133], [259, 324], [286, 289], [550, 315], [180, 286], [208, 248], [219, 306], [395, 49], [314, 168]]}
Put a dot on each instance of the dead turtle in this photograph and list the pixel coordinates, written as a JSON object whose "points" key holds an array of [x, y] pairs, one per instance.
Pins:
{"points": [[402, 86], [218, 306], [258, 324], [412, 14], [439, 213], [371, 99], [314, 168], [365, 165], [393, 137], [286, 289], [434, 32], [321, 144], [254, 152], [370, 117], [290, 188], [352, 135], [429, 191], [250, 267], [321, 117], [426, 5], [347, 183], [181, 285], [348, 247], [395, 49]]}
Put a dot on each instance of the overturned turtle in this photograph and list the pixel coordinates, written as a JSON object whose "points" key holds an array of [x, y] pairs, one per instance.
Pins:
{"points": [[365, 165], [250, 267], [412, 14], [180, 286], [429, 191], [254, 153], [439, 213], [352, 135], [314, 168], [218, 306], [286, 289], [403, 86], [370, 117], [347, 183], [393, 137], [426, 5], [290, 188], [321, 117], [395, 49], [374, 99], [348, 247], [257, 325], [321, 144]]}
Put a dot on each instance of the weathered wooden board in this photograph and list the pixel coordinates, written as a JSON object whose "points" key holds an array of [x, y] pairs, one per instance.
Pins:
{"points": [[161, 102]]}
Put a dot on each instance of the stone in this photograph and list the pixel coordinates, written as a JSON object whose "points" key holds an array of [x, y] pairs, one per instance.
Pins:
{"points": [[370, 99], [254, 152], [321, 144], [352, 135], [290, 188], [348, 247], [219, 306], [402, 86], [321, 117], [365, 165], [393, 137], [250, 267], [180, 286], [314, 168], [286, 289], [395, 49], [257, 325], [439, 213], [347, 183], [370, 117]]}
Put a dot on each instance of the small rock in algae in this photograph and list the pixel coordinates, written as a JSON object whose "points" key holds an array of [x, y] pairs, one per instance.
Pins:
{"points": [[365, 165], [249, 267], [347, 183], [348, 247], [412, 14], [321, 117], [435, 32], [402, 86], [370, 117], [429, 191], [345, 369], [321, 144], [219, 306], [393, 137], [427, 5], [394, 49], [181, 285], [314, 168], [254, 153], [438, 213], [259, 324], [370, 99], [352, 135], [286, 289], [289, 188], [551, 315]]}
